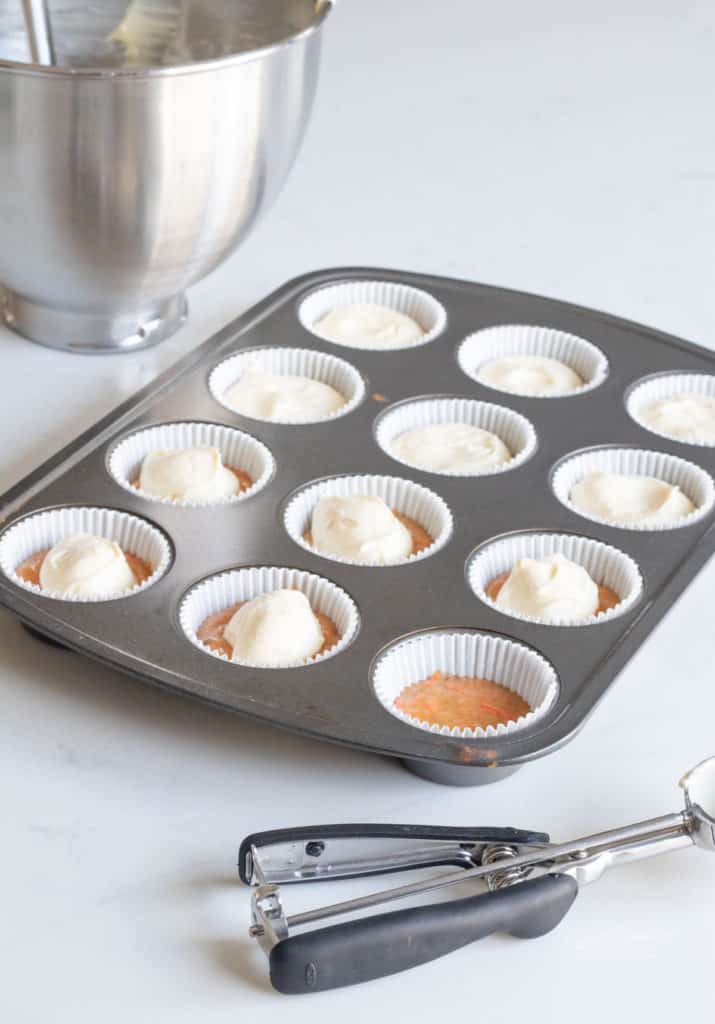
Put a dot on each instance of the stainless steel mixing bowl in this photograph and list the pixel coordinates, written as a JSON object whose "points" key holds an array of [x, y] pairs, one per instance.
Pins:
{"points": [[138, 162]]}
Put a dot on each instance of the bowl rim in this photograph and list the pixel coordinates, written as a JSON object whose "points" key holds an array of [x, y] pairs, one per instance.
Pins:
{"points": [[170, 70]]}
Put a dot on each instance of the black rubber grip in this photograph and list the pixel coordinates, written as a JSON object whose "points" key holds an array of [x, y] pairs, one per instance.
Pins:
{"points": [[308, 833], [372, 947]]}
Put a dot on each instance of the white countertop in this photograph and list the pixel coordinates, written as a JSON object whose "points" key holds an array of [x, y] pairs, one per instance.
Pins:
{"points": [[565, 149]]}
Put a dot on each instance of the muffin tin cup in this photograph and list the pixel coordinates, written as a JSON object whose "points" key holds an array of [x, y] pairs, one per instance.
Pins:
{"points": [[410, 499], [471, 654], [45, 529], [238, 451], [691, 479], [524, 340], [228, 588], [514, 430], [606, 565], [295, 362], [419, 305], [662, 386]]}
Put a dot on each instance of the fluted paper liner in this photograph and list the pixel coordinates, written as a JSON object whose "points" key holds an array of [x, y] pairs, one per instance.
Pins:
{"points": [[238, 451], [415, 303], [219, 592], [404, 496], [606, 565], [470, 654], [662, 386], [525, 340], [691, 479], [293, 362], [514, 430], [45, 529]]}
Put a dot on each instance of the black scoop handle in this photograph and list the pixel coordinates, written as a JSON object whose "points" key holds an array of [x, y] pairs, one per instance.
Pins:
{"points": [[372, 947]]}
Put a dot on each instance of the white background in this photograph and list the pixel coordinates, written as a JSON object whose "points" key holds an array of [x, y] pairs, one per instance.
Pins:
{"points": [[561, 148]]}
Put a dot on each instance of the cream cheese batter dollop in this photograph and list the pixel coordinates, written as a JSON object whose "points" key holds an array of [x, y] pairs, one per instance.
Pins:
{"points": [[458, 448], [620, 498], [529, 375], [83, 565], [359, 528], [276, 629], [282, 397], [553, 589], [685, 417], [368, 325], [187, 474]]}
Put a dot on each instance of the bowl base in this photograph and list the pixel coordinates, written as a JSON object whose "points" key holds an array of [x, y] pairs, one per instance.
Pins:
{"points": [[92, 333]]}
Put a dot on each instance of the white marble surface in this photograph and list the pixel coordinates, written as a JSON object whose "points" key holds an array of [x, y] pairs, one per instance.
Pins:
{"points": [[560, 148]]}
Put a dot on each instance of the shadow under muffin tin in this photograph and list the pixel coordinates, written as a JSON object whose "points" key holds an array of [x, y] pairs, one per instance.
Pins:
{"points": [[334, 698]]}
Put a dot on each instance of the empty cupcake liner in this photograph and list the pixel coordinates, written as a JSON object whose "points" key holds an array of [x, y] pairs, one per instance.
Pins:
{"points": [[606, 565], [691, 479], [412, 302], [238, 451], [228, 588], [523, 340], [668, 385], [411, 499], [295, 362], [45, 529], [471, 654], [514, 430]]}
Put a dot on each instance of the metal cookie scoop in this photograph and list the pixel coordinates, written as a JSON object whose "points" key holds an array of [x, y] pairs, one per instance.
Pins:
{"points": [[532, 884]]}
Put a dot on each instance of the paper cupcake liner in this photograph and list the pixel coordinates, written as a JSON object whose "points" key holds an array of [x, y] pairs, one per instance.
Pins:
{"points": [[238, 451], [219, 592], [606, 565], [523, 340], [411, 499], [691, 479], [472, 654], [668, 385], [412, 302], [45, 529], [514, 430], [296, 362]]}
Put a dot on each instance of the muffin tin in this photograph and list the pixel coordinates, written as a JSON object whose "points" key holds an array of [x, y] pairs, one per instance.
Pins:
{"points": [[334, 698]]}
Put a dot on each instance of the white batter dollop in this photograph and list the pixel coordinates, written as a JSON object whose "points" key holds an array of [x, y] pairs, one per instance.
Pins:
{"points": [[368, 325], [553, 589], [83, 565], [684, 417], [276, 629], [620, 498], [529, 375], [282, 397], [187, 474], [451, 448], [361, 529]]}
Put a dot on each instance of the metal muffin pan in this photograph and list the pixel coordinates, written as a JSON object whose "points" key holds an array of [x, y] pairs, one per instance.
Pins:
{"points": [[333, 699]]}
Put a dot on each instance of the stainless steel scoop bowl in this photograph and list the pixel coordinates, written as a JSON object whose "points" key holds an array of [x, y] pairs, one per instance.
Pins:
{"points": [[138, 161], [699, 789]]}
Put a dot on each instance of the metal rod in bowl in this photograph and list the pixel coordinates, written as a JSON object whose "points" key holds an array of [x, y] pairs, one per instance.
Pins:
{"points": [[39, 31]]}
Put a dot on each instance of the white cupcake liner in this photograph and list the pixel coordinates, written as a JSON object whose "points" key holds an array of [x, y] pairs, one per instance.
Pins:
{"points": [[228, 588], [45, 529], [295, 362], [412, 302], [470, 654], [404, 496], [238, 451], [514, 430], [524, 340], [668, 385], [691, 479], [606, 565]]}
